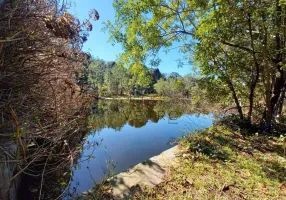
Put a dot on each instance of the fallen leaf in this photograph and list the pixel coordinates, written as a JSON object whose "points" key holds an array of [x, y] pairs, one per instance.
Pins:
{"points": [[283, 187]]}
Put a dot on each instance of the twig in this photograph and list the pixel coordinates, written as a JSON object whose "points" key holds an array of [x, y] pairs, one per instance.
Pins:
{"points": [[43, 174], [7, 153], [23, 169], [18, 132], [1, 47], [71, 166], [10, 161], [55, 100]]}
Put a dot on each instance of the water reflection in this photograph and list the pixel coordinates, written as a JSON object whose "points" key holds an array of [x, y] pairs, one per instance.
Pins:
{"points": [[115, 113], [129, 133]]}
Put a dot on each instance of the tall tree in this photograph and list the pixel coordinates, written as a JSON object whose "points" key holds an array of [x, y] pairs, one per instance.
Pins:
{"points": [[240, 44], [140, 78]]}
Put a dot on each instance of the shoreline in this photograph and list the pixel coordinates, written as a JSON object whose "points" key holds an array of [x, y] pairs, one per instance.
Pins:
{"points": [[143, 98], [134, 98], [218, 162], [150, 173]]}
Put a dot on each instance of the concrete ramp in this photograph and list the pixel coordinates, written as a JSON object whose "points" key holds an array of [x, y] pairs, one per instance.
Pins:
{"points": [[150, 173]]}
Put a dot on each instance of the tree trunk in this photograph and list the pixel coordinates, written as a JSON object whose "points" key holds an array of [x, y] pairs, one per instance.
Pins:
{"points": [[251, 97], [252, 92], [267, 121], [275, 97], [254, 78], [279, 106], [131, 90], [238, 107], [231, 88]]}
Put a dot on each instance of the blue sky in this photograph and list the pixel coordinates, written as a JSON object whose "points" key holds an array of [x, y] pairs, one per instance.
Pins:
{"points": [[99, 46]]}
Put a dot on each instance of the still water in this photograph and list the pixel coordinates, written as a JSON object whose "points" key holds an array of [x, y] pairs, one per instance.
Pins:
{"points": [[123, 134]]}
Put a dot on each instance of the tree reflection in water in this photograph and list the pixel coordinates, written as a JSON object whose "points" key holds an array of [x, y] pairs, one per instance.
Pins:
{"points": [[116, 113], [131, 147]]}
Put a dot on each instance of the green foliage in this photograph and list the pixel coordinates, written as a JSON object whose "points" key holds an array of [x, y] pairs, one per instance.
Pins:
{"points": [[143, 27], [112, 79], [179, 87], [238, 46], [96, 73], [107, 78], [140, 78]]}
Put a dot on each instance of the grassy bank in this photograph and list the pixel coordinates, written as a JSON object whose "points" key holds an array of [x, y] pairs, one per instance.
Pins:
{"points": [[220, 163]]}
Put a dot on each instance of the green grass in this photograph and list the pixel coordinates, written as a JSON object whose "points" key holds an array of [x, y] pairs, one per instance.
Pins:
{"points": [[220, 163]]}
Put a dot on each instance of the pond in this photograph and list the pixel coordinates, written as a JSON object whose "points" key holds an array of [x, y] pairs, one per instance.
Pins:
{"points": [[123, 134]]}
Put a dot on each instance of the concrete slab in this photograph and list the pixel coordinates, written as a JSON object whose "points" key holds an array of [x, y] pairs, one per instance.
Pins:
{"points": [[150, 173]]}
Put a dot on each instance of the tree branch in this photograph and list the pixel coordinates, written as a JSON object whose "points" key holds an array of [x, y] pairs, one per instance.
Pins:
{"points": [[238, 46]]}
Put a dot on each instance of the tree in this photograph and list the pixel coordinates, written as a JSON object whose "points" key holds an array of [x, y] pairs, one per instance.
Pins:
{"points": [[238, 44], [161, 87], [121, 77], [156, 75], [250, 51], [170, 87], [108, 78], [140, 78], [191, 86], [96, 70], [116, 79], [175, 75]]}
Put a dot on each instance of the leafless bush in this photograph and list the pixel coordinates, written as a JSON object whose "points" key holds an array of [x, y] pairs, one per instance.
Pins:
{"points": [[40, 101]]}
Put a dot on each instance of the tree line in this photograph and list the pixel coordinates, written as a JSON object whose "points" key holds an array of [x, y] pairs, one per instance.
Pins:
{"points": [[112, 79]]}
